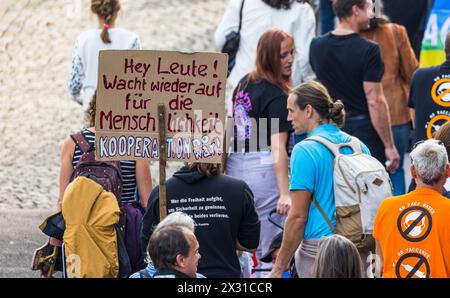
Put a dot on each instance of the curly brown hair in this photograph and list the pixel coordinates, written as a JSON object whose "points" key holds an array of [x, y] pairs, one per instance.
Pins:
{"points": [[90, 112]]}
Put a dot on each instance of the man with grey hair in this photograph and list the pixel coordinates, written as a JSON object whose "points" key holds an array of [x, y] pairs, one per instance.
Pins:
{"points": [[429, 99], [412, 231], [176, 219]]}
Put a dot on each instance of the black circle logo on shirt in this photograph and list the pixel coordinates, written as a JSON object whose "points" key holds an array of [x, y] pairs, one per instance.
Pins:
{"points": [[412, 265], [435, 123], [414, 223], [440, 92]]}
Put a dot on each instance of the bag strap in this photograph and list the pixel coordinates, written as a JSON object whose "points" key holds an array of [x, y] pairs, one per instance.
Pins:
{"points": [[240, 16], [144, 274], [315, 203], [81, 141], [334, 148]]}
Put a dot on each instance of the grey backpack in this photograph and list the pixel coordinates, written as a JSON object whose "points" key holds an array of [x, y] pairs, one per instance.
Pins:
{"points": [[360, 184]]}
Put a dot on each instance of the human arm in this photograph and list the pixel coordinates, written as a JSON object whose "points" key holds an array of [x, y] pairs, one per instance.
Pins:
{"points": [[250, 227], [378, 109], [242, 248], [379, 261], [136, 44], [150, 219], [280, 166], [143, 181], [229, 23], [77, 76], [66, 169], [294, 229], [379, 115], [412, 95]]}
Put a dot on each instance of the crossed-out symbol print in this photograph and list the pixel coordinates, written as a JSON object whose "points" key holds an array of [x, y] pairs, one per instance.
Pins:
{"points": [[414, 224], [440, 92], [412, 265]]}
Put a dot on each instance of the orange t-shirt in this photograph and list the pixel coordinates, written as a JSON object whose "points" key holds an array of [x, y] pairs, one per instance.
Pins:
{"points": [[414, 234]]}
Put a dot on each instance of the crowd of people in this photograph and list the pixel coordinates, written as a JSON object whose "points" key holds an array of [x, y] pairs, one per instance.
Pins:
{"points": [[274, 211]]}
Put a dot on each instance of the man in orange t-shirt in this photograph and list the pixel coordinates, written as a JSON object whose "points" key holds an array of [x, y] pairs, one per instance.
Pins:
{"points": [[412, 231]]}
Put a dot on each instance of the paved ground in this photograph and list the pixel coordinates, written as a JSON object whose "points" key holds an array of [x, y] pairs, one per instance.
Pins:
{"points": [[36, 40], [19, 237], [36, 114]]}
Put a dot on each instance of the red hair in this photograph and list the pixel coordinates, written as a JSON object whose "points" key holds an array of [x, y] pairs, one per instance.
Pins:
{"points": [[268, 59]]}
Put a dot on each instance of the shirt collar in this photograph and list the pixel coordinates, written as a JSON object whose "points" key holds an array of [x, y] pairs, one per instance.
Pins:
{"points": [[425, 191], [328, 127]]}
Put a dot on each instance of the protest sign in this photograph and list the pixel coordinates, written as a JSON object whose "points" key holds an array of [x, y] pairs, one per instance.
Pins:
{"points": [[131, 85], [438, 25]]}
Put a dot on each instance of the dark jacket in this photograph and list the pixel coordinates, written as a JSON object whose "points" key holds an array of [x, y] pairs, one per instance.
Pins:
{"points": [[224, 212]]}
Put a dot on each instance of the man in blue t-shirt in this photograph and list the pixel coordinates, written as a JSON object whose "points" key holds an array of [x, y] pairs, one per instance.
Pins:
{"points": [[311, 110]]}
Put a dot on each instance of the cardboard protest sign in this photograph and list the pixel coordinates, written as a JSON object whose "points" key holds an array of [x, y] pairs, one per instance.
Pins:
{"points": [[131, 85]]}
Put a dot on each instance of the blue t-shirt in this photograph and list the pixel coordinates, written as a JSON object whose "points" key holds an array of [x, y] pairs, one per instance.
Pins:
{"points": [[151, 272], [312, 170]]}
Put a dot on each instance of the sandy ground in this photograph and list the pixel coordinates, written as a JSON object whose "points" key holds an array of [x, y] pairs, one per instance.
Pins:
{"points": [[36, 114]]}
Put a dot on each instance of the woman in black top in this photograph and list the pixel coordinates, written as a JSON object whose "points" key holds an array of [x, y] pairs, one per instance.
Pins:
{"points": [[261, 130]]}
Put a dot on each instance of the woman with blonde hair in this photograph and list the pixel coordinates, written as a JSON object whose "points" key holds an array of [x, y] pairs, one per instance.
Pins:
{"points": [[83, 77], [338, 257]]}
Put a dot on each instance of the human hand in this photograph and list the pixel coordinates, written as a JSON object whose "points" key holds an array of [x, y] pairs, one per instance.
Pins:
{"points": [[284, 204], [393, 159], [276, 272]]}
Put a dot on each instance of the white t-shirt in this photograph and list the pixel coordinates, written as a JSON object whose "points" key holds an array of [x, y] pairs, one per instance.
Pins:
{"points": [[257, 17], [83, 78]]}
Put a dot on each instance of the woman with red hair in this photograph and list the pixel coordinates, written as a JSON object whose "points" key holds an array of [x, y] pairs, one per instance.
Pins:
{"points": [[261, 130]]}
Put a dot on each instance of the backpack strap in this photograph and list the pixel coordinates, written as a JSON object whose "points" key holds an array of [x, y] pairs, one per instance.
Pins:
{"points": [[240, 16], [81, 141], [334, 148], [314, 201]]}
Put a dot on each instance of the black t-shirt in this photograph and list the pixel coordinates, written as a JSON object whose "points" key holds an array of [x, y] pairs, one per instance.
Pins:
{"points": [[430, 99], [259, 111], [223, 210], [412, 18], [342, 64]]}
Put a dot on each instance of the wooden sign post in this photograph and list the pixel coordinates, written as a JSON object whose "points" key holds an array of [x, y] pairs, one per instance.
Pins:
{"points": [[160, 105], [162, 161]]}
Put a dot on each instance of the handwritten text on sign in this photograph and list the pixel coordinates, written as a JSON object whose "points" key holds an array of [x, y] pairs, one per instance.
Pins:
{"points": [[131, 84]]}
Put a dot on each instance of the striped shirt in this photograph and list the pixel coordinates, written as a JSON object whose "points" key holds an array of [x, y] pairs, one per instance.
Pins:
{"points": [[128, 168]]}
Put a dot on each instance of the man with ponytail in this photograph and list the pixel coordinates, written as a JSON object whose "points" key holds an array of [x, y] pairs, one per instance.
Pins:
{"points": [[312, 111], [83, 77]]}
